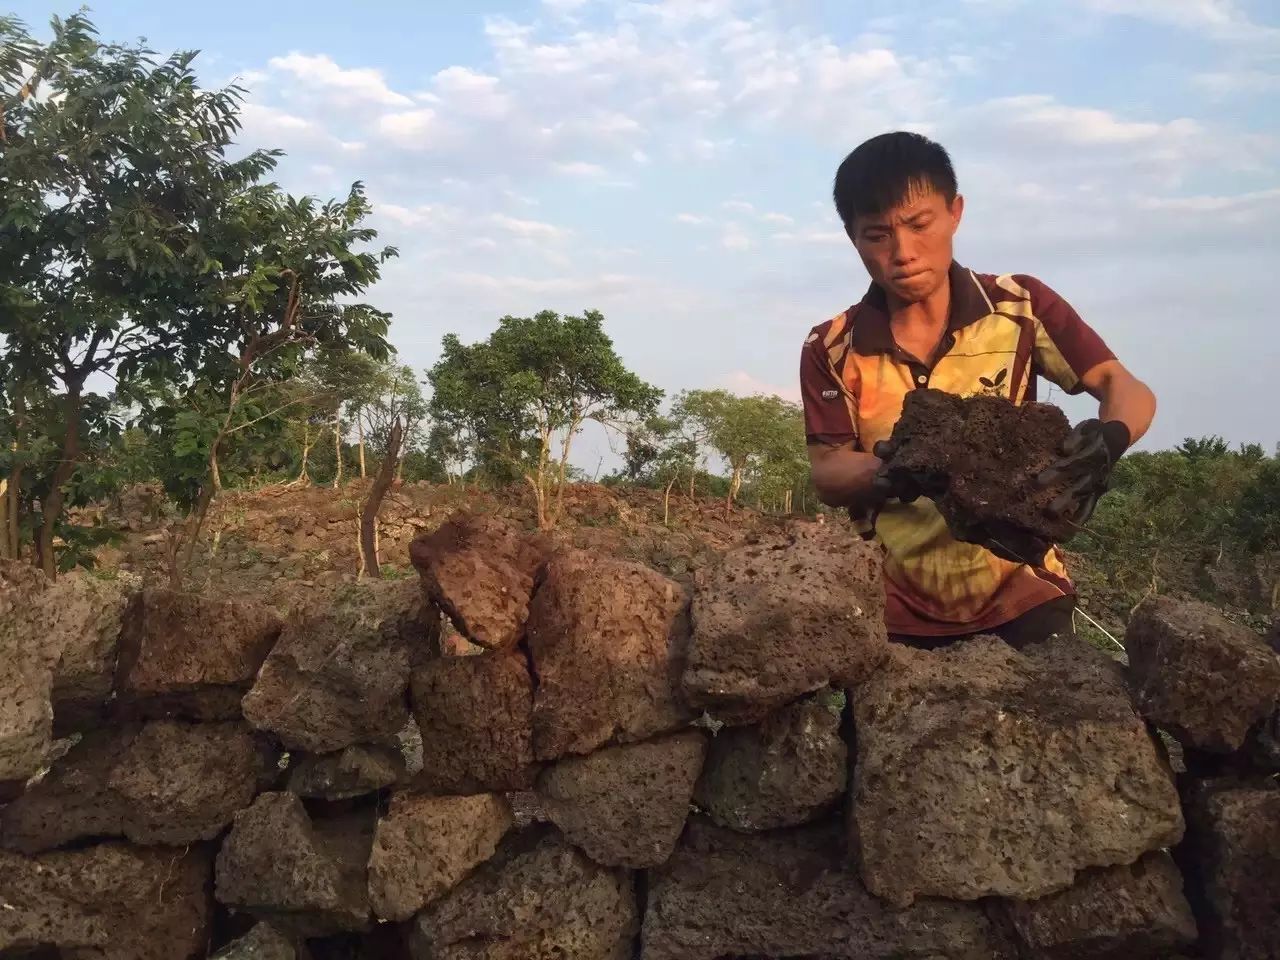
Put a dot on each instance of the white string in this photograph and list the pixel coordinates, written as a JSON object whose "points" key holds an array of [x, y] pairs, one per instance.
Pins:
{"points": [[1105, 633]]}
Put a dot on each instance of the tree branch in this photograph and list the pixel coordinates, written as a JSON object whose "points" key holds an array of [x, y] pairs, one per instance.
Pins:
{"points": [[284, 406]]}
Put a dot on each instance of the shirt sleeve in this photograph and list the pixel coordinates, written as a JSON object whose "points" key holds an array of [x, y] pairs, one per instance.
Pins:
{"points": [[1066, 348], [829, 406]]}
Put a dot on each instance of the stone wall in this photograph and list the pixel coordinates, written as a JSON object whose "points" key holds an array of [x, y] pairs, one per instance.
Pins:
{"points": [[611, 768]]}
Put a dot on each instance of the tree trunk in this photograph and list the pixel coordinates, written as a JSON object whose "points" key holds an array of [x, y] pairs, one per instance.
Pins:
{"points": [[666, 500], [52, 506], [215, 475], [373, 503], [563, 468], [337, 453], [4, 518], [306, 451], [12, 533], [735, 481], [692, 474], [786, 503], [400, 470], [360, 434], [539, 499]]}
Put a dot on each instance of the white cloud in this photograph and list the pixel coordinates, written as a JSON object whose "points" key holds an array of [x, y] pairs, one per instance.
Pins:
{"points": [[1043, 118], [1256, 205], [256, 115], [528, 229], [691, 219], [579, 168], [1223, 83], [470, 93], [1221, 19], [609, 284], [411, 129], [746, 385], [735, 238], [780, 219], [813, 235], [738, 206], [358, 86]]}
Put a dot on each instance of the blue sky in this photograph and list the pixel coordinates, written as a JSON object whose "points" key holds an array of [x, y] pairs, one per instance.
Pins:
{"points": [[668, 162]]}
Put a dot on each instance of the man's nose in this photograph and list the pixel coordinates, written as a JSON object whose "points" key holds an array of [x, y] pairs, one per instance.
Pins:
{"points": [[904, 247]]}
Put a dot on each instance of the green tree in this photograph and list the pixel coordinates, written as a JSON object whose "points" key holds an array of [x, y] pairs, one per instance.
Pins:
{"points": [[395, 394], [290, 272], [748, 432], [1204, 448], [521, 397], [350, 377], [114, 165]]}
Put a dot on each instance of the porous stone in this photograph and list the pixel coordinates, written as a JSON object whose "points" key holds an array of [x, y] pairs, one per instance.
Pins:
{"points": [[1199, 676], [978, 459], [608, 640], [787, 894], [110, 901], [350, 772], [263, 942], [26, 677], [425, 845], [479, 569], [190, 656], [307, 877], [789, 770], [983, 771], [1128, 912], [1232, 864], [332, 681], [163, 782], [537, 899], [770, 624], [178, 783], [625, 806], [476, 718], [85, 616]]}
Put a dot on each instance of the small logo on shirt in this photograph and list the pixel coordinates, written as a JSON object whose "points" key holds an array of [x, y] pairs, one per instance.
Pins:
{"points": [[830, 394], [992, 386]]}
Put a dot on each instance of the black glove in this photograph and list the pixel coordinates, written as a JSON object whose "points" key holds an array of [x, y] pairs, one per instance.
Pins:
{"points": [[891, 484], [1084, 470]]}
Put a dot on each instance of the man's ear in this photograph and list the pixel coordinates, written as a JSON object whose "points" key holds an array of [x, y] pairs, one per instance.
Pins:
{"points": [[957, 209]]}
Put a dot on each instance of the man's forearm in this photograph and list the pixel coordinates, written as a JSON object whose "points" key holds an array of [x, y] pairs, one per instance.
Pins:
{"points": [[1123, 397], [1133, 404], [844, 477]]}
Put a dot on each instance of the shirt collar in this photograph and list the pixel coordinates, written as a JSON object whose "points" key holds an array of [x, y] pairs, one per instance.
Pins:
{"points": [[870, 332]]}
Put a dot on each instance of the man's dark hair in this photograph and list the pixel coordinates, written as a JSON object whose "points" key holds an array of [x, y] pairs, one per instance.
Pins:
{"points": [[880, 173]]}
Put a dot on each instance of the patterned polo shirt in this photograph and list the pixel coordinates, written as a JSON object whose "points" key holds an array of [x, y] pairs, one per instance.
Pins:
{"points": [[1002, 334]]}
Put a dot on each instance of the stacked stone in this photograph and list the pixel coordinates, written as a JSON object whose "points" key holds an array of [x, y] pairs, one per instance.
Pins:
{"points": [[610, 768], [1215, 686], [105, 847]]}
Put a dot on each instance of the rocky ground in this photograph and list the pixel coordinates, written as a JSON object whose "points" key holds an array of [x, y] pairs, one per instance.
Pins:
{"points": [[281, 544]]}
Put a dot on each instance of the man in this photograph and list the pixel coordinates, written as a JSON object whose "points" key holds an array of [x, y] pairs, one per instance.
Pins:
{"points": [[929, 322]]}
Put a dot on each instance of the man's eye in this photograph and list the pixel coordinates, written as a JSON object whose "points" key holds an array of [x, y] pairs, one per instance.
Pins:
{"points": [[877, 237]]}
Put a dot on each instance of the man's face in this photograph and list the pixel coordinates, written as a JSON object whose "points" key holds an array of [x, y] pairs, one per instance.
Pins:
{"points": [[907, 250]]}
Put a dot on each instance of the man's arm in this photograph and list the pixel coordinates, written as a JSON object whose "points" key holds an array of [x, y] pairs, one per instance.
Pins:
{"points": [[1121, 396], [844, 477]]}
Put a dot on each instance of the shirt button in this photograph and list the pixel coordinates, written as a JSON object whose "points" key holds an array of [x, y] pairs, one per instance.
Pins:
{"points": [[922, 379]]}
